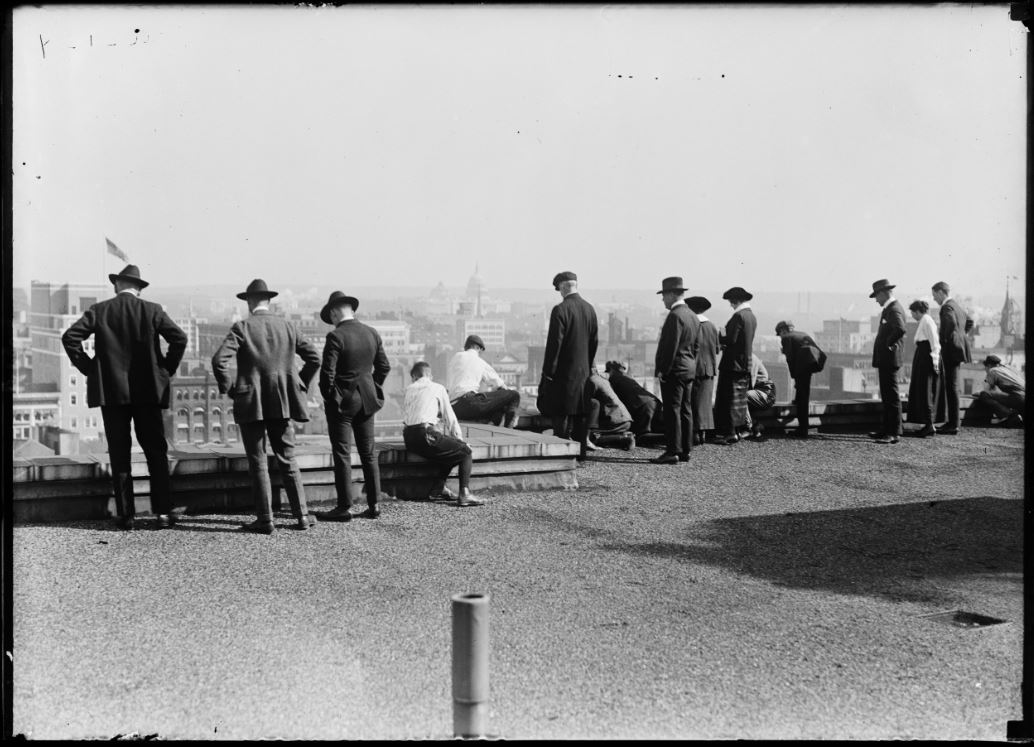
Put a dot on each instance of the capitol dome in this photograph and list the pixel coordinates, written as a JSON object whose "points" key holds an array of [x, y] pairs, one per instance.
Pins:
{"points": [[476, 285]]}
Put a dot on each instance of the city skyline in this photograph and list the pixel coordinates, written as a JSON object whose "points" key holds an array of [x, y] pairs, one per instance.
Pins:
{"points": [[780, 148]]}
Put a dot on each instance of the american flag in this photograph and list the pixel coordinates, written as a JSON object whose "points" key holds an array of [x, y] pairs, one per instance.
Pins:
{"points": [[112, 249]]}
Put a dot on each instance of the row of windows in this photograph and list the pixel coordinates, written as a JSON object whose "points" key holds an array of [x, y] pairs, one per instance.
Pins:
{"points": [[198, 394], [198, 412]]}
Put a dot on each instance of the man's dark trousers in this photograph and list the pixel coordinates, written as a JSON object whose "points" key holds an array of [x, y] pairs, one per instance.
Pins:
{"points": [[802, 398], [677, 396], [444, 450], [950, 392], [281, 439], [341, 425], [495, 406], [891, 397], [149, 425]]}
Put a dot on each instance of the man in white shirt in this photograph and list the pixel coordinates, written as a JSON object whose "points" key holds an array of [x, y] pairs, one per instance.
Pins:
{"points": [[432, 431], [478, 394], [1005, 392]]}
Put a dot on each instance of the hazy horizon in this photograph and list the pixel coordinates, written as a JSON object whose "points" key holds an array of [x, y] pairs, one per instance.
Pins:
{"points": [[785, 147]]}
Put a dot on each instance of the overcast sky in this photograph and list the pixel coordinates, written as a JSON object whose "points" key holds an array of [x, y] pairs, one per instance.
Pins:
{"points": [[777, 148]]}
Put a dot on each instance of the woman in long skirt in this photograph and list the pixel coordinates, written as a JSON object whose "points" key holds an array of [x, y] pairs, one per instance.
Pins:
{"points": [[922, 389]]}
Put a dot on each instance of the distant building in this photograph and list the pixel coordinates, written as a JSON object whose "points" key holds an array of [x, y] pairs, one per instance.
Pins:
{"points": [[198, 413], [394, 335], [846, 335], [53, 308], [491, 331], [34, 410]]}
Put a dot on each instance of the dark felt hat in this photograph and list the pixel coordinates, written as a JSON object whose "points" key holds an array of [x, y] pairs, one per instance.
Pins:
{"points": [[673, 284], [473, 340], [992, 360], [131, 274], [337, 298], [257, 288], [736, 293], [561, 277], [698, 304], [881, 285]]}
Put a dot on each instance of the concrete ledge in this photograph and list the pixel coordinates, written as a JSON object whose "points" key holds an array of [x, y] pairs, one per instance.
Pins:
{"points": [[215, 478]]}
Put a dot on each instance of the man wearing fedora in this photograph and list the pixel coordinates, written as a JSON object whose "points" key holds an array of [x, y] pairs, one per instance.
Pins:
{"points": [[676, 369], [267, 395], [354, 368], [731, 414], [571, 343], [955, 323], [707, 369], [887, 355], [477, 392], [128, 378]]}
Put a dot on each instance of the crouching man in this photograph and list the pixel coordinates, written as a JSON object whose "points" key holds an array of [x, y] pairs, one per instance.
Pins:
{"points": [[432, 431]]}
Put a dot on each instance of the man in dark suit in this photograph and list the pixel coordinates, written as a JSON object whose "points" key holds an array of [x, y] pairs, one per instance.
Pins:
{"points": [[887, 353], [676, 369], [571, 343], [955, 323], [128, 378], [354, 368], [737, 343], [267, 395], [803, 358], [644, 407], [707, 369]]}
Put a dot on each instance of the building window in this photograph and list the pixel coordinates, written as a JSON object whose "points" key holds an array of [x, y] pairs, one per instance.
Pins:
{"points": [[967, 386], [75, 423], [73, 399], [179, 395], [72, 380]]}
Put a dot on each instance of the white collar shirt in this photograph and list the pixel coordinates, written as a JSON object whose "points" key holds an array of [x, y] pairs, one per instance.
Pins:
{"points": [[743, 305], [889, 302], [130, 291], [927, 330], [426, 401], [469, 372]]}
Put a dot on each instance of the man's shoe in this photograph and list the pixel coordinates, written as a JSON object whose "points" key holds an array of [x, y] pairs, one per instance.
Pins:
{"points": [[683, 457], [727, 440], [666, 458], [305, 522], [590, 446], [998, 419], [336, 514], [469, 499], [887, 440], [126, 523], [444, 495], [947, 431], [628, 442], [259, 526], [164, 521], [926, 430], [877, 434], [371, 512]]}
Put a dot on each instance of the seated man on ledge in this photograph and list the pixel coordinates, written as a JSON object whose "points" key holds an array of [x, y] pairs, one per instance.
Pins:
{"points": [[478, 393], [760, 396], [1005, 392], [430, 430], [609, 420]]}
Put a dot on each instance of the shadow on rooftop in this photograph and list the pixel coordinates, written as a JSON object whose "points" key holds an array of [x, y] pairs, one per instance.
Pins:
{"points": [[892, 551]]}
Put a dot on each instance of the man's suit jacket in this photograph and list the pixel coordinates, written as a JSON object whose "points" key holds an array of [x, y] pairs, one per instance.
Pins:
{"points": [[266, 387], [354, 362], [888, 348], [738, 344], [802, 354], [128, 367], [631, 393], [677, 346], [954, 341], [571, 344], [707, 351]]}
